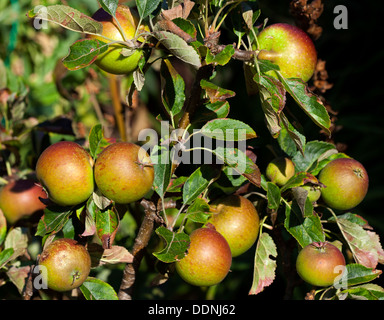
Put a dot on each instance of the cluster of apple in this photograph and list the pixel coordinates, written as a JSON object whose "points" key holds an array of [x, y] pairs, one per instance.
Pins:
{"points": [[68, 175], [343, 185], [231, 230]]}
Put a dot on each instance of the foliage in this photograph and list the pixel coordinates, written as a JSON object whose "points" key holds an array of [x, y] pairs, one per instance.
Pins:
{"points": [[184, 39]]}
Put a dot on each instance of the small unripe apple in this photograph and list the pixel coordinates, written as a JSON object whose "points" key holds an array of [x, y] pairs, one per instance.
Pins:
{"points": [[112, 60], [319, 263], [280, 170], [314, 192], [346, 183], [21, 198], [290, 48], [65, 263], [208, 259], [65, 171], [123, 172], [236, 218]]}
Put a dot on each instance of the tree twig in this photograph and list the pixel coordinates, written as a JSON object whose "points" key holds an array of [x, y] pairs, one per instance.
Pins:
{"points": [[138, 250]]}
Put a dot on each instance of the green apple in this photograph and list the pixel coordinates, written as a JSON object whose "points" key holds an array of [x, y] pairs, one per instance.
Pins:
{"points": [[112, 60], [236, 218], [66, 173], [124, 172], [290, 48], [346, 183], [280, 170], [64, 264], [21, 198], [208, 259]]}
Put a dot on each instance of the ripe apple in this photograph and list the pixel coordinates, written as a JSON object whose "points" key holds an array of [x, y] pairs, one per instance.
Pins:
{"points": [[319, 263], [65, 171], [123, 172], [20, 199], [65, 263], [236, 218], [346, 183], [208, 260], [280, 170], [112, 60], [290, 48]]}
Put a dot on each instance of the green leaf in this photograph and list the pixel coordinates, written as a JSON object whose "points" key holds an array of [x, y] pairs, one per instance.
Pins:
{"points": [[306, 229], [272, 97], [97, 141], [68, 18], [290, 139], [264, 266], [96, 289], [299, 179], [367, 291], [228, 130], [5, 256], [216, 93], [83, 52], [109, 6], [240, 163], [308, 102], [107, 223], [222, 58], [198, 211], [146, 7], [356, 274], [173, 86], [218, 109], [273, 196], [176, 245], [162, 164], [197, 182], [53, 220], [178, 47], [315, 151]]}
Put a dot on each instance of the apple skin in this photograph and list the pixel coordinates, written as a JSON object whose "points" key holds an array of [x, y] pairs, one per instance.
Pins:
{"points": [[236, 218], [67, 264], [123, 172], [280, 170], [112, 61], [65, 171], [346, 183], [21, 199], [314, 192], [208, 260], [317, 261], [290, 48]]}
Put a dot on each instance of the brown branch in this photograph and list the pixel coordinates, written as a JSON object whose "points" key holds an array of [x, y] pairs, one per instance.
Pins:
{"points": [[138, 250]]}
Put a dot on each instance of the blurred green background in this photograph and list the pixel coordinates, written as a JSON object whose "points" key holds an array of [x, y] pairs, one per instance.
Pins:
{"points": [[353, 59]]}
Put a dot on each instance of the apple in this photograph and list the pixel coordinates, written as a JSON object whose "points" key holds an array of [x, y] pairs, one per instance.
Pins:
{"points": [[314, 192], [65, 265], [124, 172], [65, 171], [319, 263], [112, 60], [290, 48], [346, 183], [236, 218], [208, 260], [280, 170], [21, 198]]}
